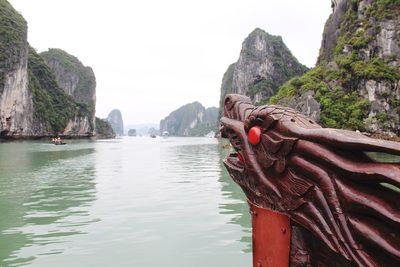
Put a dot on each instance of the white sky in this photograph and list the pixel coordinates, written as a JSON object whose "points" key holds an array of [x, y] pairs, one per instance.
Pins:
{"points": [[151, 57]]}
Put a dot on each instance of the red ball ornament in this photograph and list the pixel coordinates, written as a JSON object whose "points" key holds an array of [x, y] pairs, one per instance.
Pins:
{"points": [[254, 135]]}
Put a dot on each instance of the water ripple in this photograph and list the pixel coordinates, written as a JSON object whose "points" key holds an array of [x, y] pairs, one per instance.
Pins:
{"points": [[117, 202]]}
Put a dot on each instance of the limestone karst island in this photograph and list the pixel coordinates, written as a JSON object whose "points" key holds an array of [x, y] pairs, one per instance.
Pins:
{"points": [[212, 133]]}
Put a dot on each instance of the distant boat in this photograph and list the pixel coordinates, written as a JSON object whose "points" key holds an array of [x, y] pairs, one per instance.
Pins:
{"points": [[165, 134], [57, 141]]}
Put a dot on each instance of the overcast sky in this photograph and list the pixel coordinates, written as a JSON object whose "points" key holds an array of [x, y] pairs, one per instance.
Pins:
{"points": [[150, 57]]}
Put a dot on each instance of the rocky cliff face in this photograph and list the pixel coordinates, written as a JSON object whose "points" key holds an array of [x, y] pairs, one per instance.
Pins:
{"points": [[226, 86], [53, 108], [190, 120], [264, 64], [77, 81], [355, 84], [104, 129], [115, 119], [16, 106], [31, 102]]}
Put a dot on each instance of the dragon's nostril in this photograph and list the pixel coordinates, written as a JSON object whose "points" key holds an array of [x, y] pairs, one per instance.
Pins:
{"points": [[254, 135]]}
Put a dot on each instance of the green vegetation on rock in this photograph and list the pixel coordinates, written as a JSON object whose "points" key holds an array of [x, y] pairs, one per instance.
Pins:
{"points": [[68, 61], [208, 124], [339, 109], [35, 88], [104, 129], [275, 52], [77, 81], [337, 85], [264, 64], [266, 85], [191, 120], [13, 32], [382, 9], [312, 80], [51, 103], [64, 64], [353, 64]]}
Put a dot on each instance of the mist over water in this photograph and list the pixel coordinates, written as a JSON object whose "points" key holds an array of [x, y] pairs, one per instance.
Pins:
{"points": [[134, 201]]}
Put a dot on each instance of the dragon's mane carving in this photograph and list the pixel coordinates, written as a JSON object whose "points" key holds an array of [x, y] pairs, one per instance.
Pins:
{"points": [[343, 205]]}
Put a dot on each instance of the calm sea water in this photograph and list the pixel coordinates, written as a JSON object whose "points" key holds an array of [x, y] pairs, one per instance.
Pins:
{"points": [[134, 201]]}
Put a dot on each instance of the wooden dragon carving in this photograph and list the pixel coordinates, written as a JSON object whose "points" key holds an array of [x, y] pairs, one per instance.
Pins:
{"points": [[344, 207]]}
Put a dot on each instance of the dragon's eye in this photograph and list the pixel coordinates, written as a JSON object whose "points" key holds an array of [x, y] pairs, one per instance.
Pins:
{"points": [[254, 135]]}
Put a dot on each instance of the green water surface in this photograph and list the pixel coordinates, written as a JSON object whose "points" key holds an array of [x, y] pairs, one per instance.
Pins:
{"points": [[134, 201]]}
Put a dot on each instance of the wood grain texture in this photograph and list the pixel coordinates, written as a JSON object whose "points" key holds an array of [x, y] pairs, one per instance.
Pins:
{"points": [[344, 205]]}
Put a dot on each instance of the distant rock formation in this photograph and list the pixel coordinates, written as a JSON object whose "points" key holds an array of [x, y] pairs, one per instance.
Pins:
{"points": [[356, 82], [132, 132], [153, 131], [190, 120], [115, 119], [264, 64], [142, 128], [77, 81], [104, 129]]}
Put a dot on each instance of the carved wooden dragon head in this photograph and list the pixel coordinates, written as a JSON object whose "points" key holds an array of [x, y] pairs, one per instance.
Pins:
{"points": [[321, 178]]}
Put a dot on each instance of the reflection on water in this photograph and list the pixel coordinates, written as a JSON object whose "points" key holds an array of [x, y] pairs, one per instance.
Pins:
{"points": [[125, 202], [43, 197], [205, 187], [383, 157], [238, 207]]}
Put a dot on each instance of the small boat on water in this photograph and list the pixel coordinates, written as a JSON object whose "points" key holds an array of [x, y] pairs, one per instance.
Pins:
{"points": [[57, 141]]}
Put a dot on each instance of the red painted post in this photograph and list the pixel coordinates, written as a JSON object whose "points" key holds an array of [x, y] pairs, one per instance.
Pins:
{"points": [[271, 238]]}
